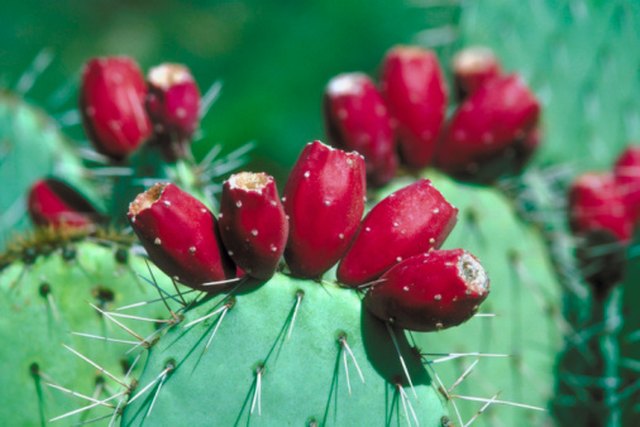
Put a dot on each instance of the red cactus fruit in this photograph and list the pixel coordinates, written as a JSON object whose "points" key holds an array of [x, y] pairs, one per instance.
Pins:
{"points": [[112, 104], [414, 219], [430, 291], [324, 199], [495, 117], [596, 203], [252, 223], [472, 68], [357, 119], [53, 203], [627, 177], [180, 235], [173, 104], [414, 88]]}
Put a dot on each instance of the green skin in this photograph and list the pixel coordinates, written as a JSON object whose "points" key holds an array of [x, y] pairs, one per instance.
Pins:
{"points": [[304, 373], [35, 323]]}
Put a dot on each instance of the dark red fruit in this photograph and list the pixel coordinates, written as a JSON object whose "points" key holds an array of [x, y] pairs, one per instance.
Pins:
{"points": [[430, 291], [472, 68], [414, 219], [52, 203], [181, 236], [324, 199], [493, 119], [596, 203], [252, 222], [414, 88], [357, 119], [627, 178], [173, 104], [112, 104]]}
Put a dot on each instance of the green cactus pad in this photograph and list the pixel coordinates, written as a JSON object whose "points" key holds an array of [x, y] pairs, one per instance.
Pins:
{"points": [[43, 300], [525, 332], [31, 147], [277, 359]]}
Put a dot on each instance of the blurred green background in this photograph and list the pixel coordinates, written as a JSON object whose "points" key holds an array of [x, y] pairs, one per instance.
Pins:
{"points": [[582, 57], [273, 57]]}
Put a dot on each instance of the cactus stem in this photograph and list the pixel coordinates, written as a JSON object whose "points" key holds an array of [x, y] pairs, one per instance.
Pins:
{"points": [[95, 365], [124, 327], [404, 365]]}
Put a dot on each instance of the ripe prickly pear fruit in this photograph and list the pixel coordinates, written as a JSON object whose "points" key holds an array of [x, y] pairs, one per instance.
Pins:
{"points": [[357, 119], [596, 203], [112, 104], [472, 68], [430, 291], [493, 119], [324, 198], [627, 177], [414, 219], [252, 223], [173, 104], [181, 236], [53, 203], [416, 94]]}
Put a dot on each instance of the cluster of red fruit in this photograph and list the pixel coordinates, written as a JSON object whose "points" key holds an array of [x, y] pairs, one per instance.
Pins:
{"points": [[394, 251], [121, 110], [493, 131], [604, 209], [318, 223]]}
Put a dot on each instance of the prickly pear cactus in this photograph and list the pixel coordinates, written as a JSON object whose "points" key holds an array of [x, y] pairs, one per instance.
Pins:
{"points": [[55, 298]]}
